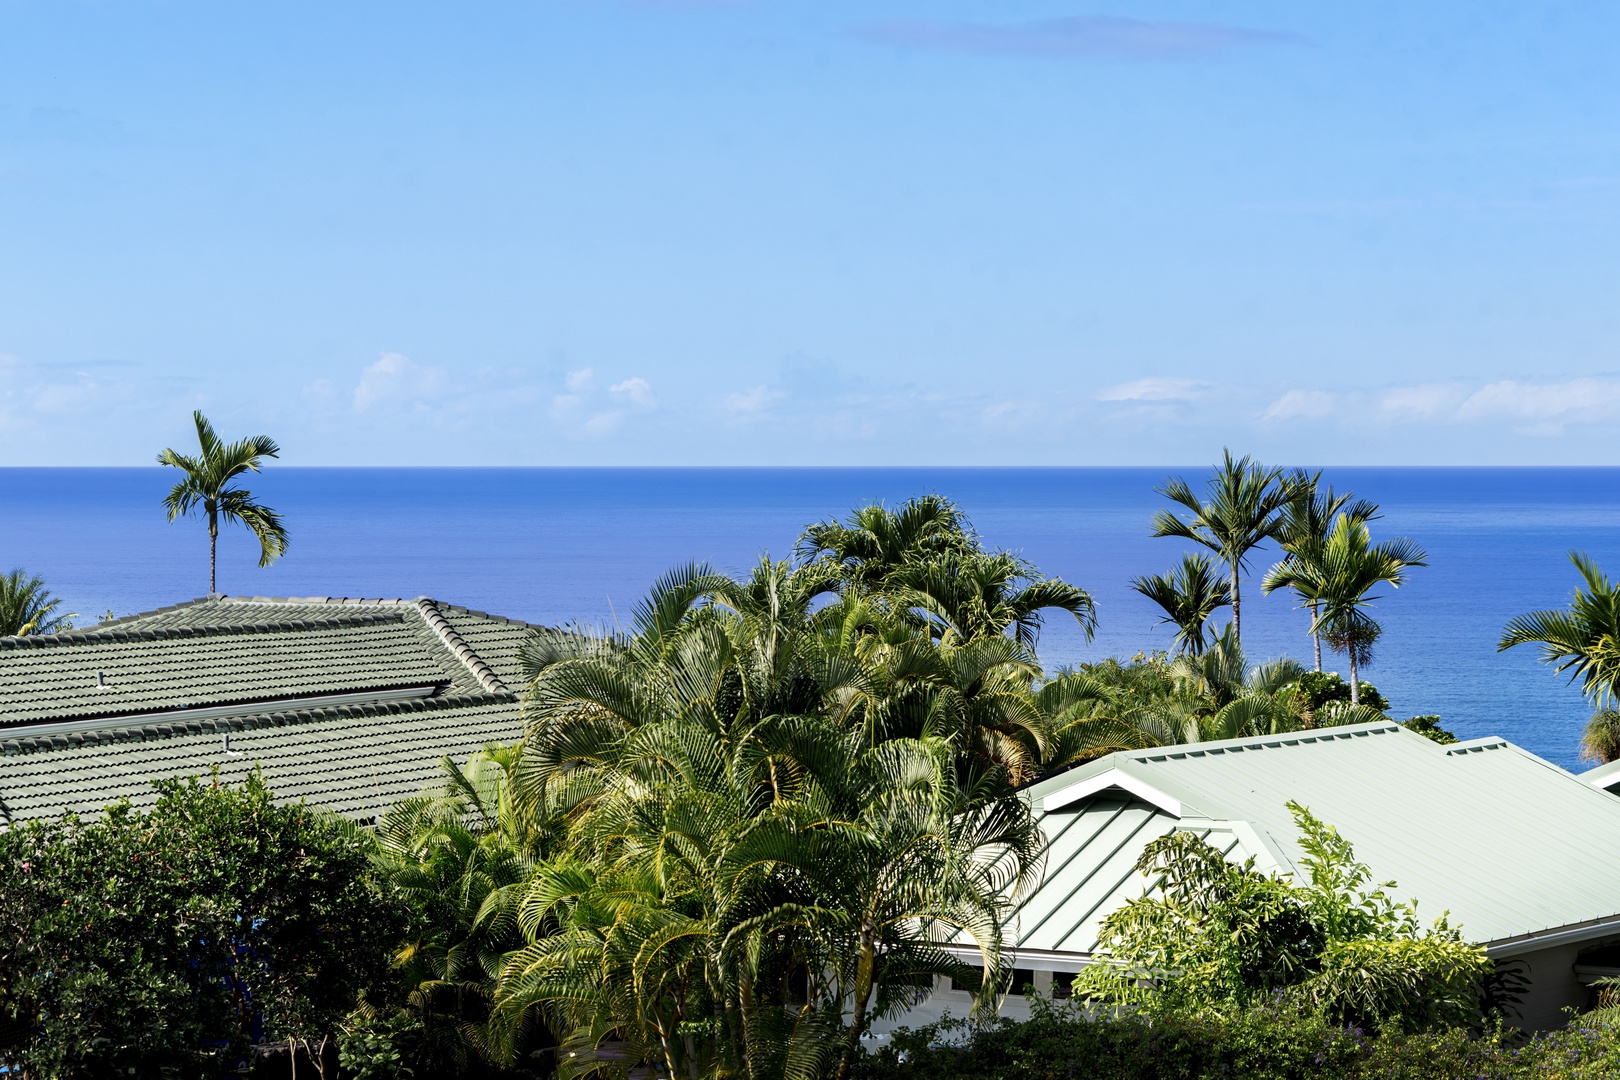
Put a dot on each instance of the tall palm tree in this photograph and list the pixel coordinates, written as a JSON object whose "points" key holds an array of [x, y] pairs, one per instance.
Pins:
{"points": [[1340, 576], [27, 606], [206, 486], [1243, 512], [1307, 518], [1584, 640], [1189, 595]]}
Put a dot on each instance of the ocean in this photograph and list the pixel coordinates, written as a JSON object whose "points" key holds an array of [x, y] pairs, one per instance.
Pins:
{"points": [[581, 546]]}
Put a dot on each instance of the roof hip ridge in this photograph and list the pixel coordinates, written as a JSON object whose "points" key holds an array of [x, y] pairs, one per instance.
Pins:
{"points": [[453, 641]]}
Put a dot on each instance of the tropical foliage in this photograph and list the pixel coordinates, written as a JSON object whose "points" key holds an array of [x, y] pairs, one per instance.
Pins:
{"points": [[1242, 512], [1159, 700], [1064, 1040], [1337, 577], [164, 941], [1583, 640], [27, 606], [1308, 516], [1216, 935], [207, 487], [773, 809], [1189, 595]]}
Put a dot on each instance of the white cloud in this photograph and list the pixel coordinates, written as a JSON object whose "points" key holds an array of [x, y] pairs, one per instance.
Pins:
{"points": [[1155, 388], [579, 380], [753, 401], [637, 390], [1423, 401], [1525, 408], [395, 381], [1303, 405], [1547, 406], [602, 423]]}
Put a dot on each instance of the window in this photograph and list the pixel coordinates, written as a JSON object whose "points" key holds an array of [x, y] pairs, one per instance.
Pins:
{"points": [[1017, 979]]}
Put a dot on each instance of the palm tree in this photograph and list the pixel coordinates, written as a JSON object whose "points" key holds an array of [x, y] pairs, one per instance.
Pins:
{"points": [[874, 540], [1307, 517], [965, 596], [27, 606], [1584, 640], [207, 486], [1242, 513], [1189, 595], [451, 853], [1339, 576]]}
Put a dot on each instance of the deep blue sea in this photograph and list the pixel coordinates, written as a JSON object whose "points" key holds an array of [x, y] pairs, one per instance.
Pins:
{"points": [[581, 545]]}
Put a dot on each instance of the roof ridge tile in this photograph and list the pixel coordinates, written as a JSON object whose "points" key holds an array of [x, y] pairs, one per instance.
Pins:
{"points": [[98, 636], [458, 646], [279, 718]]}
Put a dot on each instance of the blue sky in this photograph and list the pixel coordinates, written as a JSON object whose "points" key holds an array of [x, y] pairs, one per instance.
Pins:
{"points": [[760, 232]]}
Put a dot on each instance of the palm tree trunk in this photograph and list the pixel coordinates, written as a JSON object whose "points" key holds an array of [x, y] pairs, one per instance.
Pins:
{"points": [[213, 546], [864, 969], [1316, 636], [1355, 681], [1237, 605]]}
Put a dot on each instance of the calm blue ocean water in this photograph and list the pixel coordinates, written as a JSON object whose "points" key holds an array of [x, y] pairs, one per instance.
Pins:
{"points": [[555, 545]]}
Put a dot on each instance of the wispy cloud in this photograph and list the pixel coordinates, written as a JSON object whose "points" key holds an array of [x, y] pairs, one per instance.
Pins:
{"points": [[1155, 388], [636, 390], [1081, 37], [1302, 404], [395, 382], [1544, 408], [1522, 407], [752, 403], [584, 410]]}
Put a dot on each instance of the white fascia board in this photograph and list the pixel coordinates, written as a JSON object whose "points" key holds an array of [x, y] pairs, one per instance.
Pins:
{"points": [[1113, 778], [1039, 959], [1546, 939]]}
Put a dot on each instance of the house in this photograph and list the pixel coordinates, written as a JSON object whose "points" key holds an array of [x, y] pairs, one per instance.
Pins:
{"points": [[1515, 849], [349, 704]]}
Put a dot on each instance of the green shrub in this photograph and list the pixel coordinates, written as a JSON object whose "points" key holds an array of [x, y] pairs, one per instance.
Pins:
{"points": [[1063, 1042], [1429, 727], [1322, 688], [1220, 936], [162, 942]]}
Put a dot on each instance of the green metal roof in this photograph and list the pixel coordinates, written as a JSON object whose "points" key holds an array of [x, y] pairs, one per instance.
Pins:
{"points": [[347, 703], [1499, 837]]}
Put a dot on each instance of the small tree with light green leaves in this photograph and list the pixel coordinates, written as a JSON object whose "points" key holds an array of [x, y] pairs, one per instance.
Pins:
{"points": [[1220, 936]]}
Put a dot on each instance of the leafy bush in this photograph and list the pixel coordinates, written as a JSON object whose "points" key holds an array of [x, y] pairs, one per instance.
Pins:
{"points": [[1063, 1042], [1323, 688], [1429, 727], [1222, 937], [164, 942]]}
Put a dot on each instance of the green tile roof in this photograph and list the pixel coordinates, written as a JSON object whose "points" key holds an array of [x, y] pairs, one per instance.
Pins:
{"points": [[347, 703], [1500, 838]]}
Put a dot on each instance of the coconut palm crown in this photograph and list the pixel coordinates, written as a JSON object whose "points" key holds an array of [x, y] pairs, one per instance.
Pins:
{"points": [[1243, 512], [206, 487], [1340, 578], [1584, 640], [1189, 595], [27, 606], [1307, 518]]}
